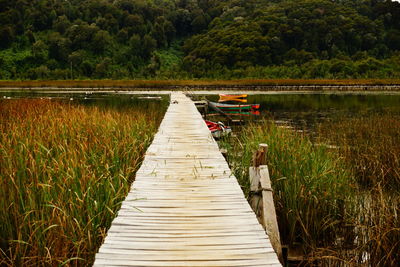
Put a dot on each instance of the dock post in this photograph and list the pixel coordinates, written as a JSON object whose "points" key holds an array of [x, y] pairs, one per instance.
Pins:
{"points": [[262, 200]]}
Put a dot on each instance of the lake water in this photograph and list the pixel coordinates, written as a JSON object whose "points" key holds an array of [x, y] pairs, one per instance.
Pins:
{"points": [[105, 100], [304, 111]]}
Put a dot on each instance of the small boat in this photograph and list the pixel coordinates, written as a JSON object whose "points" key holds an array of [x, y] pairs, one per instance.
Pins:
{"points": [[234, 107], [243, 113], [233, 98], [239, 113], [218, 129]]}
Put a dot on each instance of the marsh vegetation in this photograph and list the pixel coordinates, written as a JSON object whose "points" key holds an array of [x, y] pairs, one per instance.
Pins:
{"points": [[65, 167]]}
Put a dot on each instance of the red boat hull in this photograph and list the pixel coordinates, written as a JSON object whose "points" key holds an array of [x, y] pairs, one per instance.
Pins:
{"points": [[218, 129]]}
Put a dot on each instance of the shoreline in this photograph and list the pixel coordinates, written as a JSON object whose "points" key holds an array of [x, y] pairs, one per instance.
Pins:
{"points": [[214, 89], [250, 84], [204, 91]]}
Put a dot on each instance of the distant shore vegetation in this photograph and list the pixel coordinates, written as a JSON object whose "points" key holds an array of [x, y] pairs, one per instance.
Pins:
{"points": [[181, 39]]}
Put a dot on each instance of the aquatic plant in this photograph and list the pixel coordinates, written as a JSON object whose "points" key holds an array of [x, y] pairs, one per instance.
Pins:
{"points": [[336, 197], [371, 144], [64, 170], [310, 185]]}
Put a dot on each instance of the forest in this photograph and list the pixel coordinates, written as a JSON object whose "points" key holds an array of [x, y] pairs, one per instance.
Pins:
{"points": [[190, 39]]}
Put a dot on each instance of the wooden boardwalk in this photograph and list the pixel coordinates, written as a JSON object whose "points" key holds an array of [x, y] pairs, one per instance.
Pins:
{"points": [[185, 207]]}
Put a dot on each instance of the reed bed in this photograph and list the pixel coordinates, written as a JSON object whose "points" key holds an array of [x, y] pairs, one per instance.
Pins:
{"points": [[64, 170], [336, 196], [371, 145], [311, 187]]}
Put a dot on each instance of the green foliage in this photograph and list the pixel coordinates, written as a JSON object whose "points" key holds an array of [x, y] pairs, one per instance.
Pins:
{"points": [[170, 62], [294, 33], [311, 184], [222, 39], [6, 36]]}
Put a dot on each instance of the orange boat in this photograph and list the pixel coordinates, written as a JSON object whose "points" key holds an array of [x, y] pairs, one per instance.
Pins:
{"points": [[234, 98]]}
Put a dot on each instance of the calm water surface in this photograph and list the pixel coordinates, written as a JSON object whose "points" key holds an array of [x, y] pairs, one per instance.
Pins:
{"points": [[304, 111], [104, 100]]}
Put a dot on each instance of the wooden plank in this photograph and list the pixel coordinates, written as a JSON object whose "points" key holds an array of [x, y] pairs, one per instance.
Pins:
{"points": [[195, 250], [172, 244], [193, 256], [179, 263], [185, 207], [176, 233], [185, 247]]}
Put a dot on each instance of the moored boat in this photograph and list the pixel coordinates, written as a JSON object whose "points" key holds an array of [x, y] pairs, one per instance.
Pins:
{"points": [[233, 98], [239, 113], [218, 129], [235, 107]]}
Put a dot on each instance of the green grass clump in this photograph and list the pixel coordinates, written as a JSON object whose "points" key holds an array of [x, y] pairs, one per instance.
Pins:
{"points": [[311, 186], [64, 170], [340, 203]]}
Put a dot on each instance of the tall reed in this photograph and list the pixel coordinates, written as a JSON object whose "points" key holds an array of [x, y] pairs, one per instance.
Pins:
{"points": [[341, 202], [311, 186], [371, 145], [64, 170]]}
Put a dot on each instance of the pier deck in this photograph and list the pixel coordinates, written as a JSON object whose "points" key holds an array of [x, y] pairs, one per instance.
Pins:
{"points": [[185, 207]]}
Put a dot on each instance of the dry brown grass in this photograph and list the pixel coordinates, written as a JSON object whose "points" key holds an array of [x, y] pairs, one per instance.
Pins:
{"points": [[127, 84], [64, 170], [371, 144]]}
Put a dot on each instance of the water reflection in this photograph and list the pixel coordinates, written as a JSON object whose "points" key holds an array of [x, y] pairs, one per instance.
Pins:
{"points": [[305, 111], [104, 100]]}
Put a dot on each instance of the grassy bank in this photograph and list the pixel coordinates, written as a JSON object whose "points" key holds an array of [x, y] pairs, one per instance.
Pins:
{"points": [[129, 84], [310, 185], [339, 203], [65, 169]]}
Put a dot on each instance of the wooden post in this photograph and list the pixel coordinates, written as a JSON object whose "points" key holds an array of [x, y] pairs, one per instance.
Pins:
{"points": [[254, 179], [269, 213], [255, 198], [261, 199], [260, 156]]}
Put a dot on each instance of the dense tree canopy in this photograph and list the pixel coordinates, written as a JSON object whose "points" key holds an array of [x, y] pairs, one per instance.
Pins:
{"points": [[295, 32], [59, 39]]}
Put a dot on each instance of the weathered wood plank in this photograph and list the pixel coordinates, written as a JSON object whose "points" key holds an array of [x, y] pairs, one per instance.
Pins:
{"points": [[185, 207], [113, 261]]}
